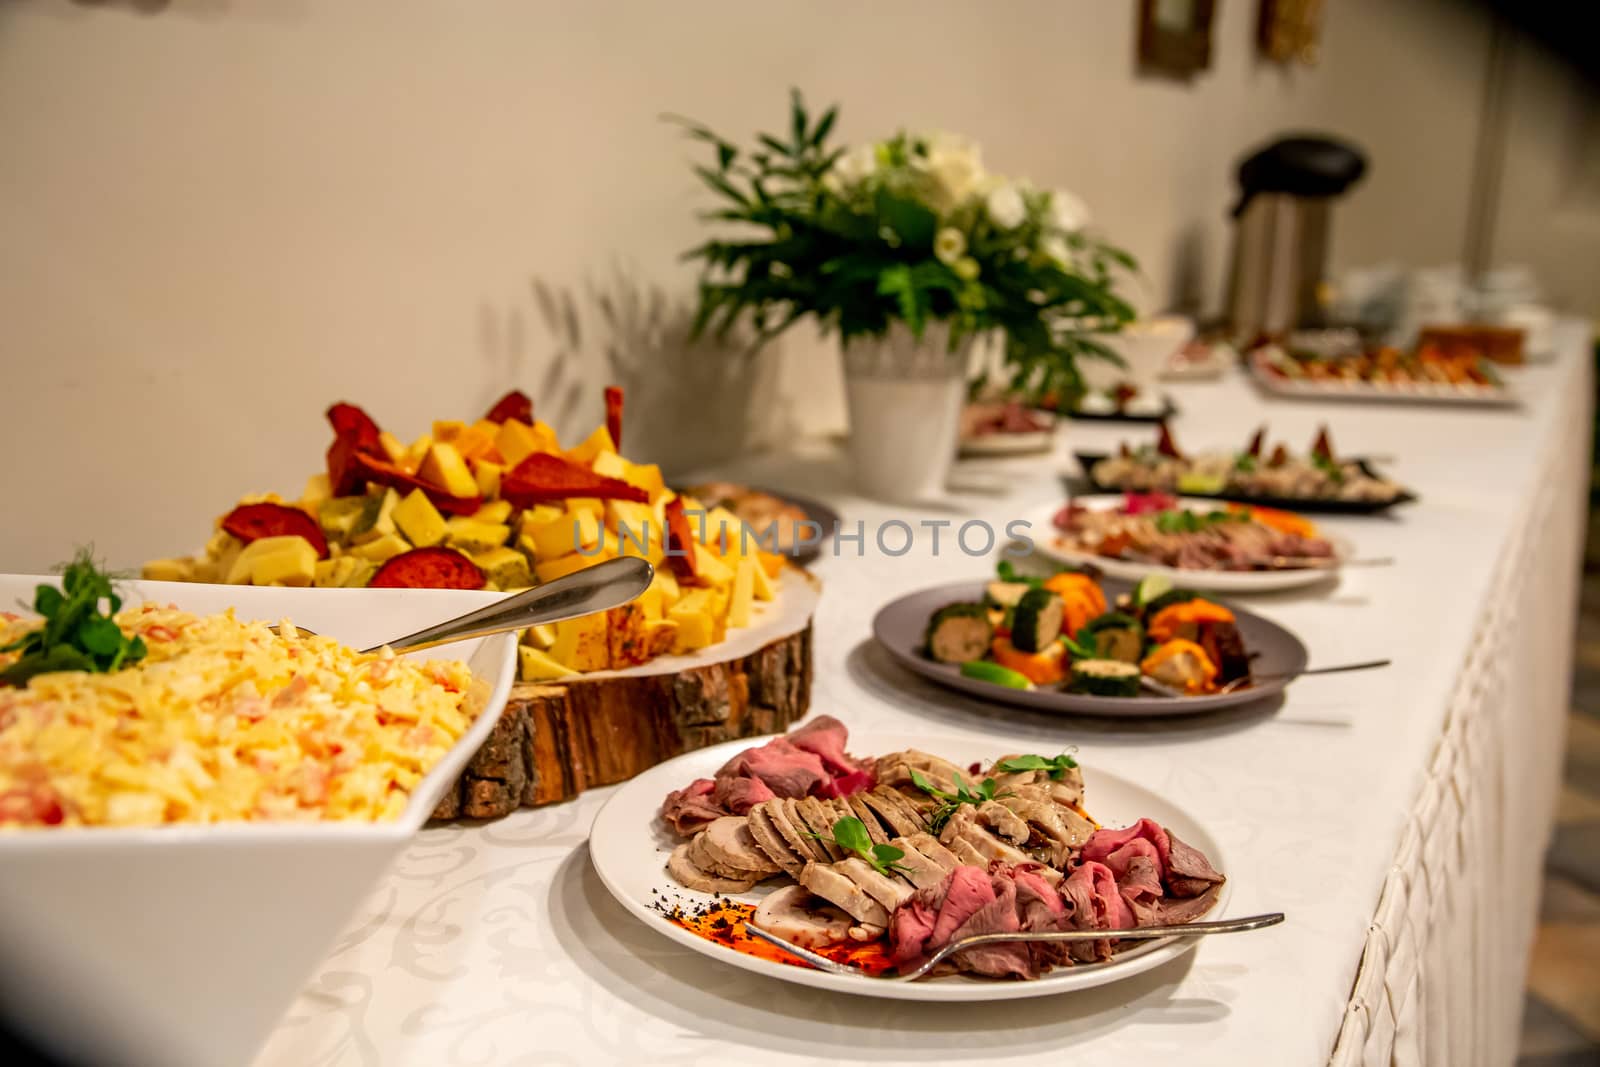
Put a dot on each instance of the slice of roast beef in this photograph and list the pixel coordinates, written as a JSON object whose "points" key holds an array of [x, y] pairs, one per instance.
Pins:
{"points": [[786, 770], [771, 842], [795, 915], [739, 795], [690, 809], [965, 892], [825, 737], [1004, 959], [1189, 873], [731, 845], [1105, 842], [1077, 893], [911, 926], [688, 873], [837, 888]]}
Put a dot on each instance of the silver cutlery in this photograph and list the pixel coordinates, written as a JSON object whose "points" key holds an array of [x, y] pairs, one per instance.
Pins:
{"points": [[1238, 683], [610, 584], [1141, 933]]}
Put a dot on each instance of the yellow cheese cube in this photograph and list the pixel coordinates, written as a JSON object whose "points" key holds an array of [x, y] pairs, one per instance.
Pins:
{"points": [[764, 587], [294, 563], [659, 637], [551, 569], [377, 517], [168, 570], [488, 474], [625, 636], [695, 630], [505, 567], [743, 593], [546, 436], [710, 568], [581, 643], [538, 666], [446, 468], [360, 574], [725, 532], [646, 476], [339, 516], [317, 490], [383, 548], [446, 430], [393, 447], [540, 515], [610, 465], [419, 520], [592, 504], [494, 511], [515, 441], [566, 534], [540, 636], [417, 452], [470, 535], [596, 443], [332, 573]]}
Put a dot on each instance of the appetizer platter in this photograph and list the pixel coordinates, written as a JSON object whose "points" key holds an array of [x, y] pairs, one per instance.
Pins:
{"points": [[1005, 428], [1332, 366], [877, 860], [1319, 481], [499, 504], [1204, 544], [1076, 643], [219, 797], [1199, 360], [780, 521]]}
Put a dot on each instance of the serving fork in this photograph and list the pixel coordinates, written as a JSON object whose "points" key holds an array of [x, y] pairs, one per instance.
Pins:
{"points": [[1168, 691], [1140, 933]]}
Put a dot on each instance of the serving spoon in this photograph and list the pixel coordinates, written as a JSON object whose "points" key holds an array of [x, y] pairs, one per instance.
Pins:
{"points": [[1168, 691], [1140, 933], [610, 584]]}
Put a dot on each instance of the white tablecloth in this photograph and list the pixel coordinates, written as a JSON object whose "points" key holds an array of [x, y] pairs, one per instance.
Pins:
{"points": [[1397, 816]]}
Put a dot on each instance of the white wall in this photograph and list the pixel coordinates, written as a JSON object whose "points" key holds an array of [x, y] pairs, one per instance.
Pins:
{"points": [[219, 217]]}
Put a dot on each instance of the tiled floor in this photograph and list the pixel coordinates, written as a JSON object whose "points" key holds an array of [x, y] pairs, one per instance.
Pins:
{"points": [[1561, 1024]]}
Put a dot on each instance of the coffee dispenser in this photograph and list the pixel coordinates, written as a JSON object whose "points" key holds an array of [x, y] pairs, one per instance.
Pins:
{"points": [[1281, 232]]}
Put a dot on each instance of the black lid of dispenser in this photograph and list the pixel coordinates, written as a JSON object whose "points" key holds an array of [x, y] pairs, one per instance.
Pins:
{"points": [[1300, 166]]}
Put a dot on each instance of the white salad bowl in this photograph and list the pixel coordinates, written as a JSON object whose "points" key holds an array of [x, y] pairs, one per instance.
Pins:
{"points": [[183, 945]]}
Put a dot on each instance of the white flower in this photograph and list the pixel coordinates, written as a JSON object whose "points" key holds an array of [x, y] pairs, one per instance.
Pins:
{"points": [[955, 166], [1054, 246], [851, 169], [949, 245], [1005, 207], [1068, 213]]}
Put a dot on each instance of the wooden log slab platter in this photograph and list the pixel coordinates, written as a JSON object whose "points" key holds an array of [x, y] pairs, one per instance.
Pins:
{"points": [[554, 740]]}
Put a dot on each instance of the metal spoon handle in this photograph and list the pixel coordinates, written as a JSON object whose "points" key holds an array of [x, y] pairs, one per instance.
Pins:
{"points": [[605, 585], [1364, 665]]}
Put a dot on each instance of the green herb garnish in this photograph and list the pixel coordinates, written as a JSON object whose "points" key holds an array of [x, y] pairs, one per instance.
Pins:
{"points": [[1077, 649], [1245, 463], [950, 803], [850, 834], [1058, 766], [77, 634], [1184, 521]]}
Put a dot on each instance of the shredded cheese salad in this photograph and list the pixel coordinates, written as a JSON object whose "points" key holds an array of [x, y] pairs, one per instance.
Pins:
{"points": [[225, 721]]}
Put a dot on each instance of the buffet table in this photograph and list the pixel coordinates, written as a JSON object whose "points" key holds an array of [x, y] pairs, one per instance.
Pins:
{"points": [[1398, 817]]}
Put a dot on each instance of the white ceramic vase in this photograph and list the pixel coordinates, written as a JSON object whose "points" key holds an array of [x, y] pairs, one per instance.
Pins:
{"points": [[904, 395]]}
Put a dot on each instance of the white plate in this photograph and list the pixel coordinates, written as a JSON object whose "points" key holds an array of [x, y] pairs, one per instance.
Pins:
{"points": [[131, 937], [1009, 444], [1046, 541], [629, 846], [1448, 393]]}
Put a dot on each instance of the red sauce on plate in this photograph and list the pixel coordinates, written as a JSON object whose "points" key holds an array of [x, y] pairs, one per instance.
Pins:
{"points": [[724, 923]]}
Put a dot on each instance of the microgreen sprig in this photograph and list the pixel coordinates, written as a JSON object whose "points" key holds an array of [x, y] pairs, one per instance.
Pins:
{"points": [[850, 834], [77, 635], [1058, 766], [950, 803]]}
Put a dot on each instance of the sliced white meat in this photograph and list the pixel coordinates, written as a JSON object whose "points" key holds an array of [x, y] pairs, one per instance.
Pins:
{"points": [[690, 874], [1003, 821], [819, 821], [729, 843], [859, 809], [795, 915], [929, 846], [969, 856], [895, 769], [866, 932], [991, 848], [890, 892], [794, 836], [895, 812], [835, 887], [1050, 833], [771, 842], [920, 871]]}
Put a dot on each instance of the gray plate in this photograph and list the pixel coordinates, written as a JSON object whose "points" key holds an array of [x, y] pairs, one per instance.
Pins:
{"points": [[900, 625]]}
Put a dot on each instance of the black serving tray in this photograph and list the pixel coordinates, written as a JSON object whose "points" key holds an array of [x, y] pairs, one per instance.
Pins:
{"points": [[1321, 505]]}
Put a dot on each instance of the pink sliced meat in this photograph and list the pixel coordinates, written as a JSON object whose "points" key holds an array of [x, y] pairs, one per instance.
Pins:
{"points": [[692, 808], [788, 771], [739, 795], [1105, 842]]}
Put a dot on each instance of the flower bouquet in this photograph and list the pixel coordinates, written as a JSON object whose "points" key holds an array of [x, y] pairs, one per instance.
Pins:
{"points": [[907, 249]]}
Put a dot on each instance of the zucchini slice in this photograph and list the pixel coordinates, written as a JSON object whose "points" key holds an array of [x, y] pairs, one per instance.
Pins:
{"points": [[958, 633], [1104, 678], [1037, 620]]}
